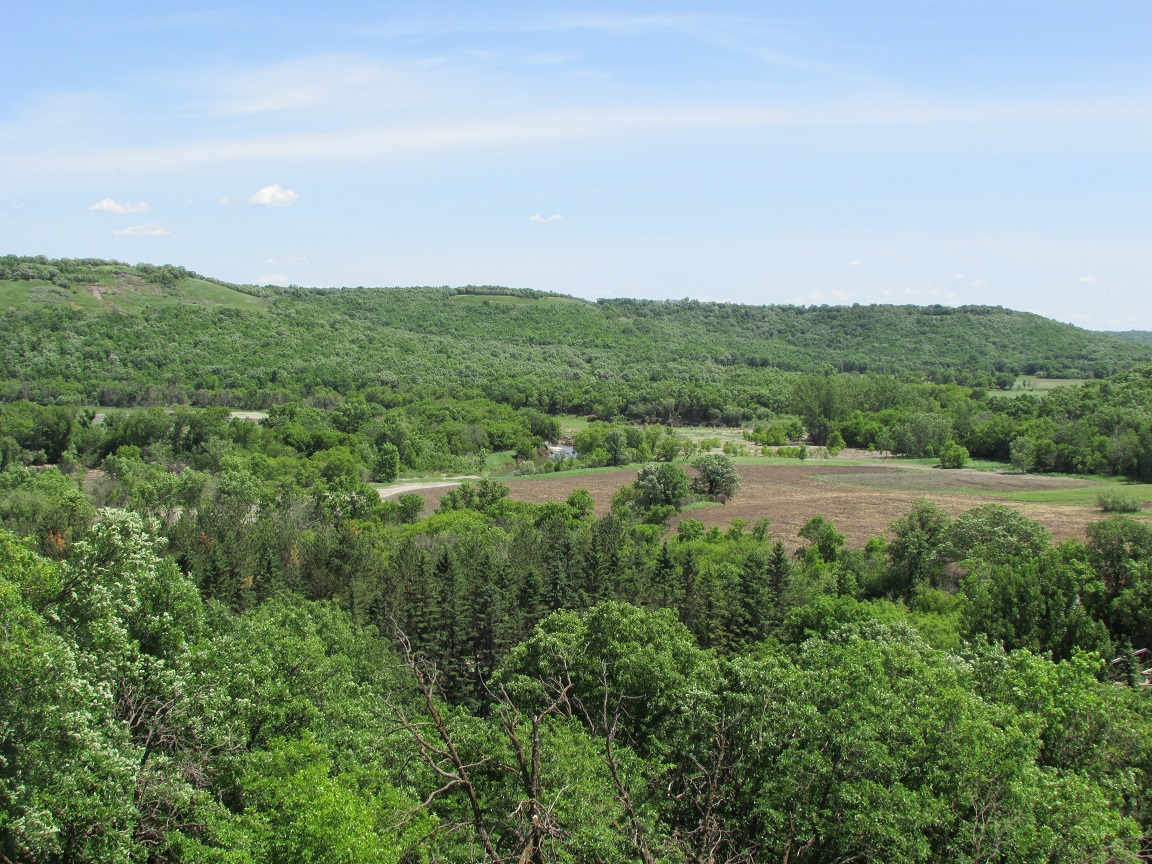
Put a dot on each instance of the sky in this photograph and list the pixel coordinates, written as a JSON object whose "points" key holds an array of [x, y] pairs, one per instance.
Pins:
{"points": [[826, 151]]}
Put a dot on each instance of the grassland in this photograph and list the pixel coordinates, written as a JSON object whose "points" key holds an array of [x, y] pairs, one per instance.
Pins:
{"points": [[123, 293]]}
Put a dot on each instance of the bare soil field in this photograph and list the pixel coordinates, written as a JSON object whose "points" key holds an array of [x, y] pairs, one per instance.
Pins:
{"points": [[862, 500]]}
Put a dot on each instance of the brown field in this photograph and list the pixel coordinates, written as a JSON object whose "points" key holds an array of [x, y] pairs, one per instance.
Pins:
{"points": [[862, 500]]}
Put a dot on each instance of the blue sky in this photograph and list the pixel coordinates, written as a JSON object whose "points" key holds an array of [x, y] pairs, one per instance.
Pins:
{"points": [[894, 151]]}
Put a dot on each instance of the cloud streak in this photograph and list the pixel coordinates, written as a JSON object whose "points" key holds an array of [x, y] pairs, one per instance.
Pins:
{"points": [[351, 139], [151, 229], [544, 220], [107, 205]]}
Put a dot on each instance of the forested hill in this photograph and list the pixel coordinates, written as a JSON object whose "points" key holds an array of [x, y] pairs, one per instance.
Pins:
{"points": [[83, 330], [1142, 336]]}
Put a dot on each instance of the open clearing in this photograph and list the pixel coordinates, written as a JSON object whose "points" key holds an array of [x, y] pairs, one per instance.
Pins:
{"points": [[861, 499]]}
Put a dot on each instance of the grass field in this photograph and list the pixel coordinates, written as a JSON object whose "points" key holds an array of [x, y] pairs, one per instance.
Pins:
{"points": [[1037, 386], [570, 424]]}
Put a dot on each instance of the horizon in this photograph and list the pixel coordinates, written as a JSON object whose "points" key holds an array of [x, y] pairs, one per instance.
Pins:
{"points": [[956, 154]]}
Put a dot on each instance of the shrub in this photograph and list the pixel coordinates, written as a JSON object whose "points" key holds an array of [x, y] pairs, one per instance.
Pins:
{"points": [[953, 455], [1118, 501]]}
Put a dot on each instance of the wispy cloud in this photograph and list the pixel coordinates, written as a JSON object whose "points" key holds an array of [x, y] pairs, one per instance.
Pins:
{"points": [[855, 262], [151, 229], [274, 196], [107, 205], [536, 217], [1088, 279], [348, 136]]}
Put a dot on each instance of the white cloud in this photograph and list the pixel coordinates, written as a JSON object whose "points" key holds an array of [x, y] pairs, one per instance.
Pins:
{"points": [[273, 279], [978, 283], [151, 229], [107, 205], [223, 202], [1088, 279], [274, 196], [15, 206], [855, 262], [298, 261], [536, 217]]}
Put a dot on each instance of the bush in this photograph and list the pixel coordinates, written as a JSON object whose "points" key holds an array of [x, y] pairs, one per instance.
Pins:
{"points": [[1118, 501], [953, 455]]}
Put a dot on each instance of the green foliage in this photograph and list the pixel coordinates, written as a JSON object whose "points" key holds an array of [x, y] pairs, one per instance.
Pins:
{"points": [[660, 484], [953, 455], [825, 539], [1023, 454], [716, 476], [921, 434], [296, 810], [1118, 501], [997, 534], [919, 549]]}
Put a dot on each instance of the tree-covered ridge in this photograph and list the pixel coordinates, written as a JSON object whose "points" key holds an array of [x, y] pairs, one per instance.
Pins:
{"points": [[638, 358], [1142, 336]]}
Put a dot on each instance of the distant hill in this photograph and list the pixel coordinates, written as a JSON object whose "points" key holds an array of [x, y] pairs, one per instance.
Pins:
{"points": [[1144, 337], [91, 330]]}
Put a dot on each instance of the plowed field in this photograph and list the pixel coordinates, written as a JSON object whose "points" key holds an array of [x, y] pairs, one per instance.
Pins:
{"points": [[862, 500]]}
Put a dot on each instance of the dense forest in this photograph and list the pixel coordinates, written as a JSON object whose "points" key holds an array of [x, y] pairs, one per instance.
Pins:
{"points": [[219, 644], [167, 336], [271, 676]]}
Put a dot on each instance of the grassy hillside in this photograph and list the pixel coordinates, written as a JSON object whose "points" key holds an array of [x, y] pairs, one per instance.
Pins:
{"points": [[93, 285]]}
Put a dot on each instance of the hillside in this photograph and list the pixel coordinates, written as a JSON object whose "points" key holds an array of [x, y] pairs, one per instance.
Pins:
{"points": [[1144, 337], [85, 331]]}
